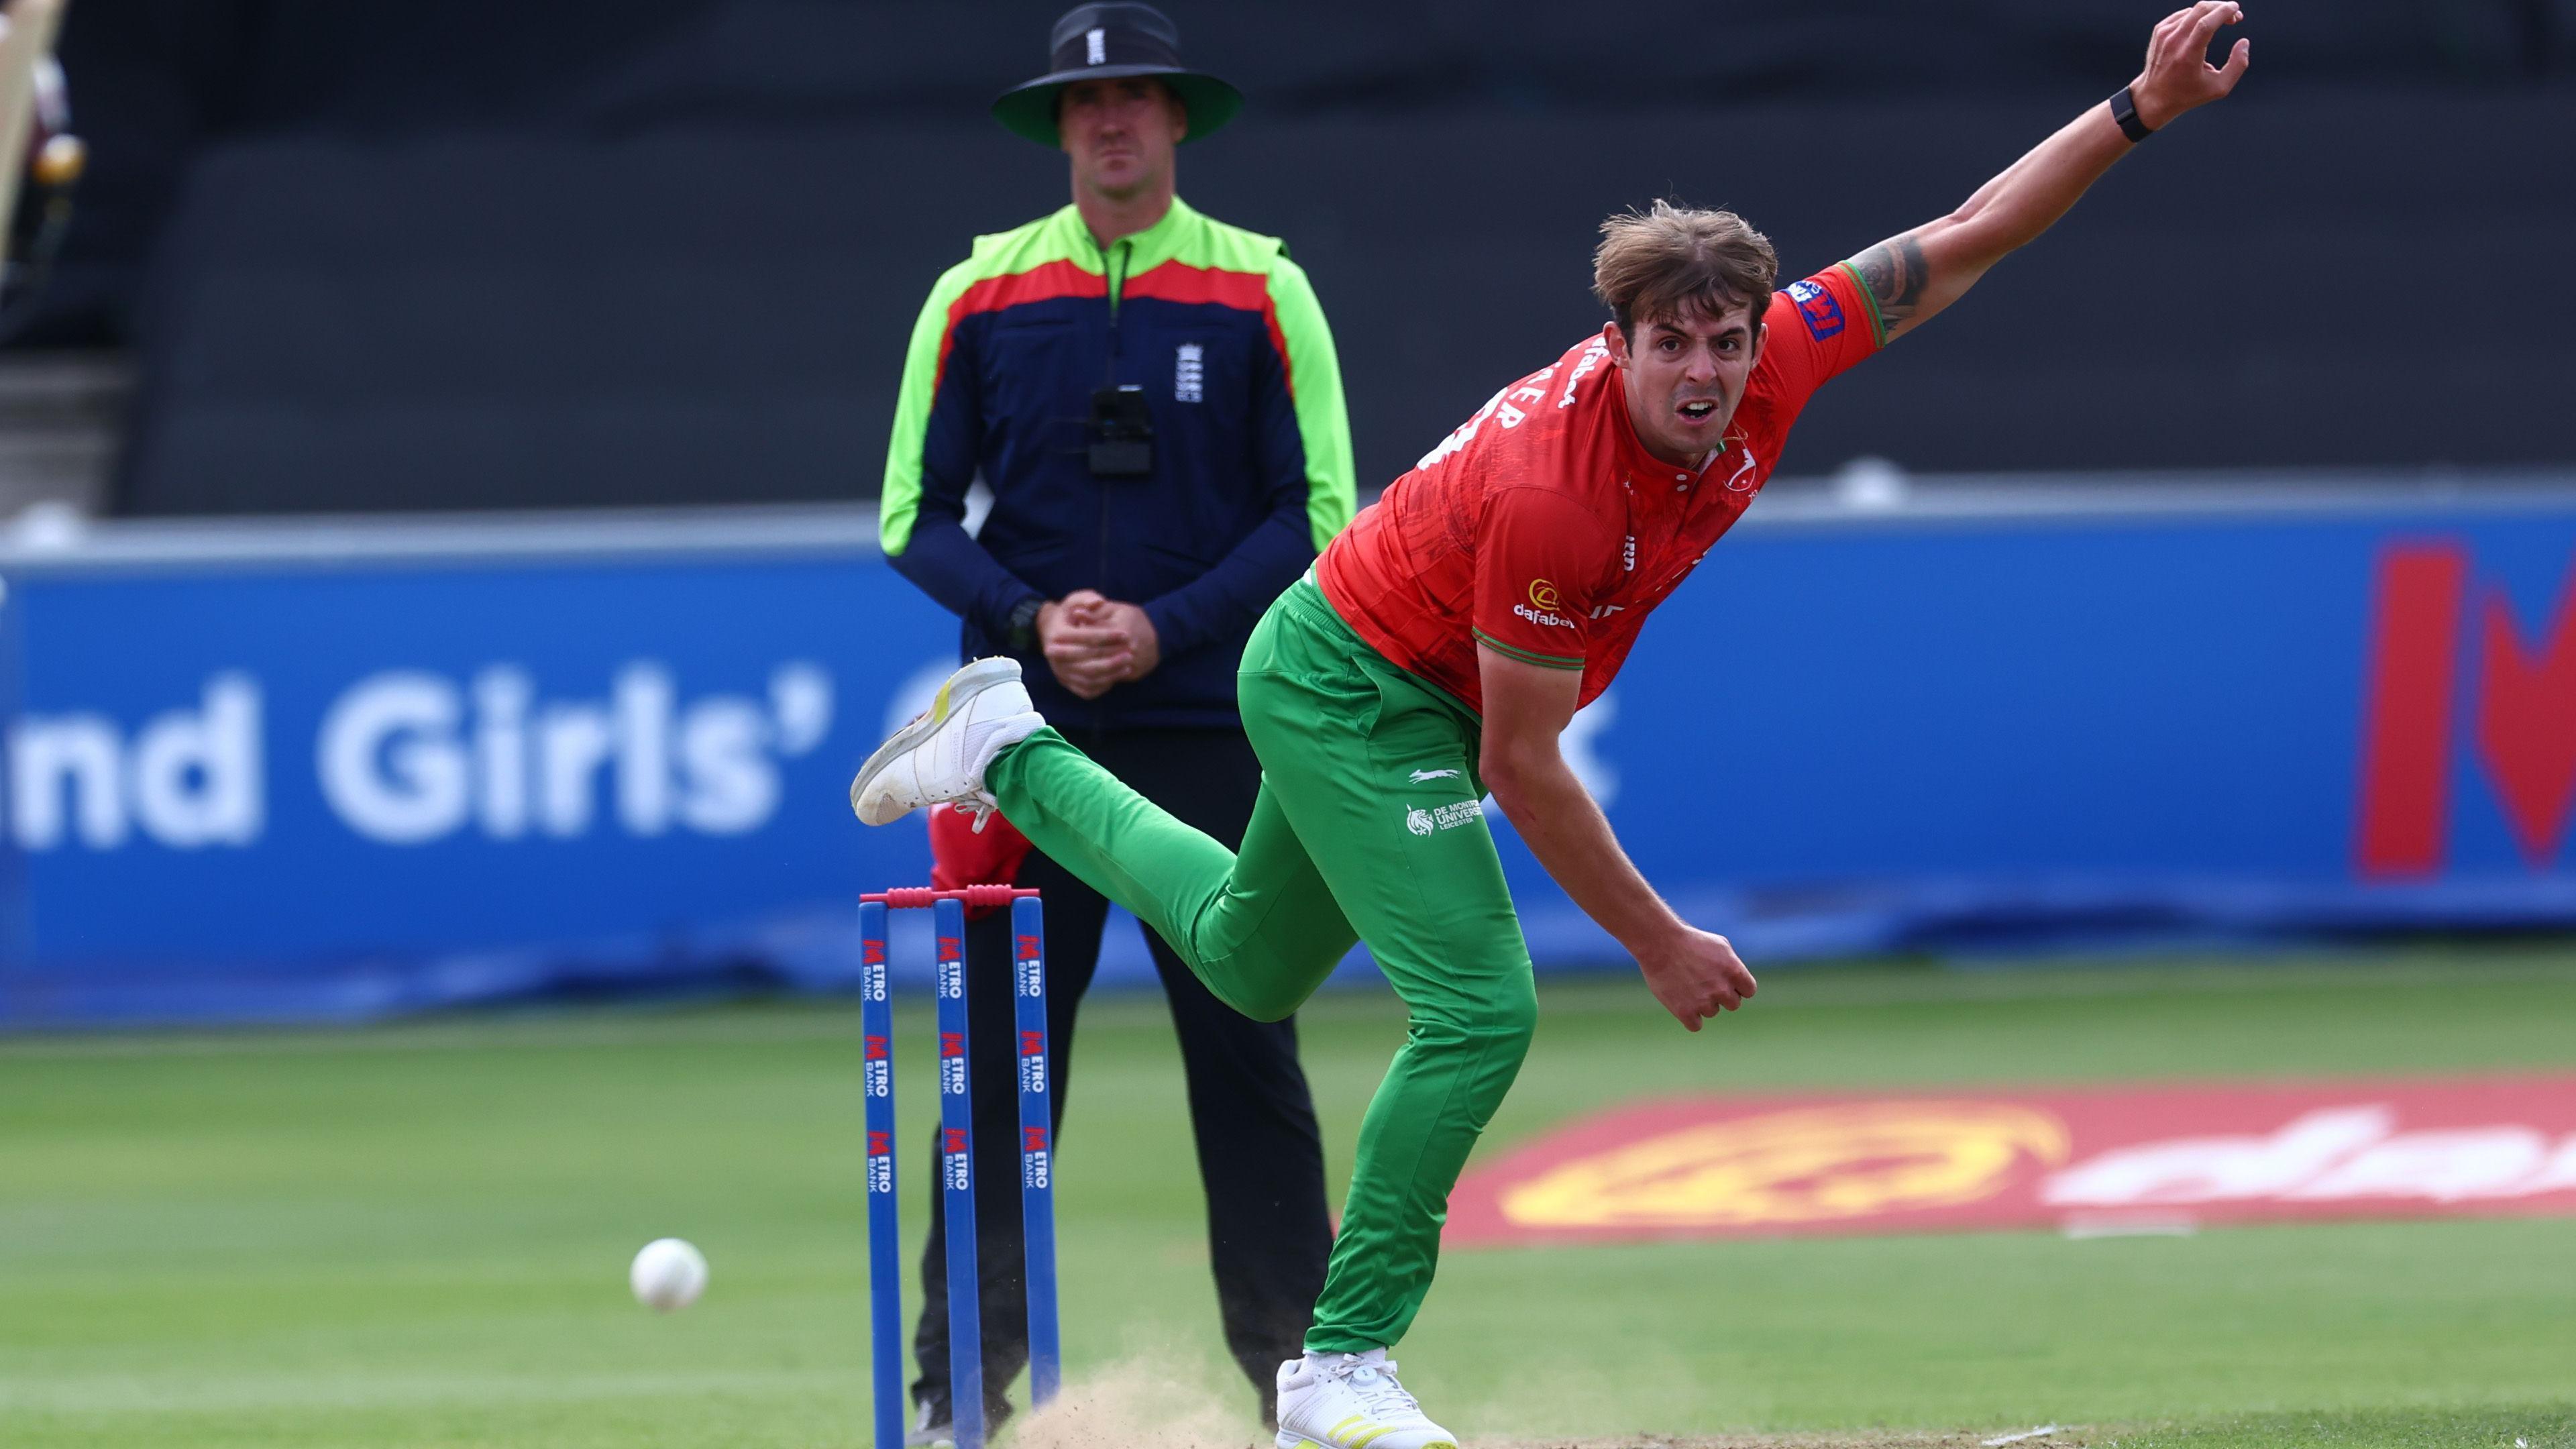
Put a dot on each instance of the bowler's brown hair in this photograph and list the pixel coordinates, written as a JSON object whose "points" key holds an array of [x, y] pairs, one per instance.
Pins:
{"points": [[1669, 261]]}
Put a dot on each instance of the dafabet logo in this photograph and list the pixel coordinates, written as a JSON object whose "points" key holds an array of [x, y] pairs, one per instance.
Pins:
{"points": [[1542, 606], [2167, 1156], [1796, 1167]]}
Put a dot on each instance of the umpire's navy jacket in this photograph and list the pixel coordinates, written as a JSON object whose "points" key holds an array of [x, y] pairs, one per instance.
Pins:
{"points": [[1251, 449]]}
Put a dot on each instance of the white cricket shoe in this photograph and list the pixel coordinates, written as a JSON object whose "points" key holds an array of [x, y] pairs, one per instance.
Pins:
{"points": [[1351, 1401], [941, 755]]}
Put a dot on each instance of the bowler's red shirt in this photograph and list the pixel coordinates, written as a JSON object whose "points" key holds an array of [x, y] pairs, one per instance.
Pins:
{"points": [[1544, 529]]}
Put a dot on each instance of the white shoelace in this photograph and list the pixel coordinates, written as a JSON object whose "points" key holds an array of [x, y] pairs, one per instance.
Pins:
{"points": [[1375, 1385], [980, 749]]}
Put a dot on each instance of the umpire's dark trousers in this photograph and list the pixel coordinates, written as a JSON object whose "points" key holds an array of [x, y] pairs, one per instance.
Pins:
{"points": [[1260, 1156]]}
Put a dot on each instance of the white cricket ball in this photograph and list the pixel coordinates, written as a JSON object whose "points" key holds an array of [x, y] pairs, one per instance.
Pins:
{"points": [[669, 1274]]}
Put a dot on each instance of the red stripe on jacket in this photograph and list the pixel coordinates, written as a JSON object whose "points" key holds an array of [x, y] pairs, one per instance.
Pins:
{"points": [[1170, 282], [1243, 291]]}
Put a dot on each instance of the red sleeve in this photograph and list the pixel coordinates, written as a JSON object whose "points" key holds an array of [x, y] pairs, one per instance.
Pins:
{"points": [[1539, 555], [1818, 326]]}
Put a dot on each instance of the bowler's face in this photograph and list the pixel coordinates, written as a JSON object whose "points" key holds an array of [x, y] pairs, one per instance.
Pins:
{"points": [[1120, 133], [1685, 377]]}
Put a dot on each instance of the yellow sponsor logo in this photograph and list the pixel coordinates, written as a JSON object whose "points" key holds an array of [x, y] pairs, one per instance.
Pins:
{"points": [[1543, 595], [1811, 1165]]}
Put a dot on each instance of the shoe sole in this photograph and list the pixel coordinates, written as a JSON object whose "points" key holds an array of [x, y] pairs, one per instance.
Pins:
{"points": [[954, 693], [1287, 1440]]}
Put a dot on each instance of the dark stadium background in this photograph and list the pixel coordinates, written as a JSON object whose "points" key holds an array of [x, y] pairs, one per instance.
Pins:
{"points": [[478, 254]]}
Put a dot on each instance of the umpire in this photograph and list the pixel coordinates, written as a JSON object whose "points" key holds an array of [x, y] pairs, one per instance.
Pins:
{"points": [[1153, 400]]}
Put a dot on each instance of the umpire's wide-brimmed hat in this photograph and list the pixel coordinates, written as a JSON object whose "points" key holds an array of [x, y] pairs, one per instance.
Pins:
{"points": [[1107, 42]]}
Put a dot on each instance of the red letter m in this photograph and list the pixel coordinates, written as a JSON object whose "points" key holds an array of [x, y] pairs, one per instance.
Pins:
{"points": [[2525, 709]]}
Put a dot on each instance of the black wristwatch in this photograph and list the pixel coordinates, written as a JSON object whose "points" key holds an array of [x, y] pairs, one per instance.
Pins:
{"points": [[1024, 625], [2124, 109]]}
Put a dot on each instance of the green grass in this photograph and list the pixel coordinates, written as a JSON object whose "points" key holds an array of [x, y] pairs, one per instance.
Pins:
{"points": [[2539, 1427], [417, 1235]]}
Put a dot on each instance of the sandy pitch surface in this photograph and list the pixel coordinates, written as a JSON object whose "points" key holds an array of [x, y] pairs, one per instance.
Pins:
{"points": [[1131, 1408], [1866, 1440]]}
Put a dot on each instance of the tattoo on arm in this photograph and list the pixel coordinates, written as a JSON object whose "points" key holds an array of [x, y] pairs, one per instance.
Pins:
{"points": [[1894, 272]]}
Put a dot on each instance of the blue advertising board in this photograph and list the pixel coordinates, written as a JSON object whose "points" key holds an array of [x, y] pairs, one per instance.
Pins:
{"points": [[298, 787], [409, 768]]}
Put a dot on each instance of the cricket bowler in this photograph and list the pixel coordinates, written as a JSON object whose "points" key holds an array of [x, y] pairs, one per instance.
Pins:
{"points": [[1436, 651]]}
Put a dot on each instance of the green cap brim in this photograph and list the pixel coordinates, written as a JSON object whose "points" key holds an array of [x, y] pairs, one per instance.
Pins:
{"points": [[1030, 110]]}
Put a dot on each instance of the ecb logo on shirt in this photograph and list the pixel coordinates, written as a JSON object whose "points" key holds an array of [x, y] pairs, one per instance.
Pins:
{"points": [[1823, 315]]}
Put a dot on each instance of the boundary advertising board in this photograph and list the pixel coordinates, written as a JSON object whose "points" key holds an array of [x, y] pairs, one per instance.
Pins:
{"points": [[333, 770]]}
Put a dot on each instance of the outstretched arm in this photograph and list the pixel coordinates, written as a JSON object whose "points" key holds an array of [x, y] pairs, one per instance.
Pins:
{"points": [[1693, 973], [1916, 274]]}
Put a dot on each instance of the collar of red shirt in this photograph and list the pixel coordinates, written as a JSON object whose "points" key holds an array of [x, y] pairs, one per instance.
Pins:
{"points": [[1655, 481]]}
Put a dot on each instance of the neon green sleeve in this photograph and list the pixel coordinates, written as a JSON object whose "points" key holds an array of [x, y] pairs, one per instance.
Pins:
{"points": [[908, 450], [1315, 382]]}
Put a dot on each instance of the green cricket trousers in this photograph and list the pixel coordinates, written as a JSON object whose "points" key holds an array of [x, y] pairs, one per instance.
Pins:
{"points": [[1369, 826]]}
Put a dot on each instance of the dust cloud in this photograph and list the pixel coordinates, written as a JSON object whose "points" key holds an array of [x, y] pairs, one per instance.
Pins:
{"points": [[1137, 1406]]}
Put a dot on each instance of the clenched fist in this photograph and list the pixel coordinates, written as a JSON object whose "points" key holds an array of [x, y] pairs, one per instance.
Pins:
{"points": [[1696, 975]]}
